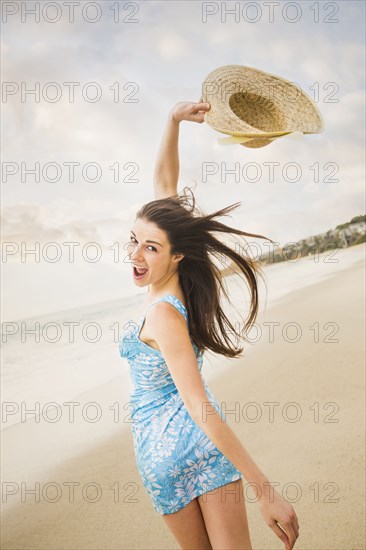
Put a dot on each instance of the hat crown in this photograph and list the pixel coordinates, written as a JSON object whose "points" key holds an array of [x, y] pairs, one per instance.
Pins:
{"points": [[258, 112], [251, 103]]}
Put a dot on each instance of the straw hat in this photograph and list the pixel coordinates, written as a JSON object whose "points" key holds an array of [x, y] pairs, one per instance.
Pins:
{"points": [[255, 107]]}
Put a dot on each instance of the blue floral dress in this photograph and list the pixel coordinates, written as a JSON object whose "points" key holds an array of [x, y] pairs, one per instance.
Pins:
{"points": [[176, 460]]}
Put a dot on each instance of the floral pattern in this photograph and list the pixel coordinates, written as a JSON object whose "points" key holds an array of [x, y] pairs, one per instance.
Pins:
{"points": [[176, 460]]}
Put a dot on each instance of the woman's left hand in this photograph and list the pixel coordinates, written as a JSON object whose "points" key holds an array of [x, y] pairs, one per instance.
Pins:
{"points": [[280, 517], [193, 112]]}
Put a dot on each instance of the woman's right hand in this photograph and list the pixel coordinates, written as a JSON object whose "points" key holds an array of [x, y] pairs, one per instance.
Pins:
{"points": [[194, 112], [279, 516]]}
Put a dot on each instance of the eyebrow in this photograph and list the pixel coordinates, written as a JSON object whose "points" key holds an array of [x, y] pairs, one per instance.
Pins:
{"points": [[155, 242]]}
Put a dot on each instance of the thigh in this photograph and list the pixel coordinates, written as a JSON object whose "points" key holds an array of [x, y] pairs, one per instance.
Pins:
{"points": [[188, 527], [224, 513]]}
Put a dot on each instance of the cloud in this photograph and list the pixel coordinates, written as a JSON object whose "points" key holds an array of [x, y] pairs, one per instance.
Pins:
{"points": [[173, 46], [30, 225], [167, 54]]}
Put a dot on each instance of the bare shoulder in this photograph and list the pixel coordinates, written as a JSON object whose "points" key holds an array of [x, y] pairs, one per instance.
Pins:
{"points": [[168, 328], [164, 314]]}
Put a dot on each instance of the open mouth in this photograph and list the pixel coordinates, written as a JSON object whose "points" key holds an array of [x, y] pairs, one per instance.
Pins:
{"points": [[139, 272]]}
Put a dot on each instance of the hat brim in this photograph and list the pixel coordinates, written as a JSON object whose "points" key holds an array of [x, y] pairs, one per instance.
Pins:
{"points": [[250, 141], [249, 135]]}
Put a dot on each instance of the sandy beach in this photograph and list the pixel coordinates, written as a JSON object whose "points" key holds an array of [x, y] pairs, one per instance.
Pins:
{"points": [[297, 402]]}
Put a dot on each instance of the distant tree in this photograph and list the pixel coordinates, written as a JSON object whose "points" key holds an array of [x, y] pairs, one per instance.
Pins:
{"points": [[360, 239], [357, 219]]}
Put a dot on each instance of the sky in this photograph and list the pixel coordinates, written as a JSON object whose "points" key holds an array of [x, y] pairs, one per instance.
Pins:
{"points": [[142, 58]]}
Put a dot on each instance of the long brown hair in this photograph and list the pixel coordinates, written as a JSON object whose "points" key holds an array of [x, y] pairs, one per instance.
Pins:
{"points": [[189, 232]]}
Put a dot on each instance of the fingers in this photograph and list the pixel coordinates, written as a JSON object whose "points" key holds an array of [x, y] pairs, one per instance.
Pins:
{"points": [[291, 535], [281, 535], [287, 534], [193, 111], [202, 105], [294, 523], [198, 117], [198, 111]]}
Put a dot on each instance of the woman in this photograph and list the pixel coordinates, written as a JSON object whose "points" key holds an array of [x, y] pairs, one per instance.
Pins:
{"points": [[190, 461]]}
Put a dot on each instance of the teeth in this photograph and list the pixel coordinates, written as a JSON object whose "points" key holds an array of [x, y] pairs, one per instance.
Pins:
{"points": [[140, 270]]}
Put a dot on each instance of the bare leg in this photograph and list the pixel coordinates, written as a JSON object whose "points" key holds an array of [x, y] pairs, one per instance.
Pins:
{"points": [[225, 517], [188, 527]]}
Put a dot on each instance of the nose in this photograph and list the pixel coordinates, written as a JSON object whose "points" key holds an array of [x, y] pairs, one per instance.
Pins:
{"points": [[135, 254]]}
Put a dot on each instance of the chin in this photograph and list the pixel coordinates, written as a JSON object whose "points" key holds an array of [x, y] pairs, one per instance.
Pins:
{"points": [[141, 283]]}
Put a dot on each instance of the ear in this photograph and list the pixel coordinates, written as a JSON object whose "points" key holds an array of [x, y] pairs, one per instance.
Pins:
{"points": [[178, 257]]}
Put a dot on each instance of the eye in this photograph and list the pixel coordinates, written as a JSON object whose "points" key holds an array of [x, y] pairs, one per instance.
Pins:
{"points": [[149, 246]]}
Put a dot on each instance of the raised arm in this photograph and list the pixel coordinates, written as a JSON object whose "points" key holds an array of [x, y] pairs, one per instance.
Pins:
{"points": [[166, 173]]}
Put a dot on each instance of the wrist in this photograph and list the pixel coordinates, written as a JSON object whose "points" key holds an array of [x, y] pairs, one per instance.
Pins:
{"points": [[173, 118], [266, 493], [261, 486]]}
